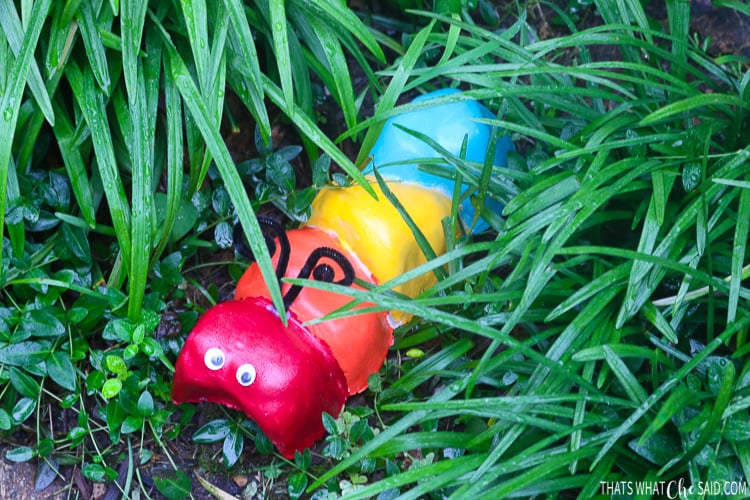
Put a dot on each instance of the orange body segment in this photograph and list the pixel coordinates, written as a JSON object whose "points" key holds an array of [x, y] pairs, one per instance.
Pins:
{"points": [[360, 342]]}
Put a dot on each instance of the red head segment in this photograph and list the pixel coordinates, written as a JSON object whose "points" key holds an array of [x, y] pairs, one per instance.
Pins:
{"points": [[241, 355]]}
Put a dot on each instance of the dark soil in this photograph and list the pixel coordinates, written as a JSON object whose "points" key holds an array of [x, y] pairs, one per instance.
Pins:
{"points": [[726, 30]]}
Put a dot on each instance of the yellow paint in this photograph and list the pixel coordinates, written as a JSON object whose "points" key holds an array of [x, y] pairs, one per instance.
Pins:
{"points": [[376, 234]]}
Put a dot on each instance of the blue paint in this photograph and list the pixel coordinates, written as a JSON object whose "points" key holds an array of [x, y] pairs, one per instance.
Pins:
{"points": [[446, 124]]}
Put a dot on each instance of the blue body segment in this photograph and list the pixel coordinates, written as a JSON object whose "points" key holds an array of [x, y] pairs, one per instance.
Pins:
{"points": [[446, 124]]}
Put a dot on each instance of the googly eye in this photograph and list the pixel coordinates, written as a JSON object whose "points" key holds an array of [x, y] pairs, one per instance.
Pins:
{"points": [[246, 374], [214, 358]]}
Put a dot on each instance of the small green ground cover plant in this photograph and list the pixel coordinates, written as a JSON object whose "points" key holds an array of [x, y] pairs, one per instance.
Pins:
{"points": [[597, 335]]}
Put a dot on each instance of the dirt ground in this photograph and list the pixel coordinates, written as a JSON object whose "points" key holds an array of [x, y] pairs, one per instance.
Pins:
{"points": [[17, 481]]}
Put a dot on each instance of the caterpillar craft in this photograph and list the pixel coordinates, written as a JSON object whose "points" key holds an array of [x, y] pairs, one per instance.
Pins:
{"points": [[241, 355]]}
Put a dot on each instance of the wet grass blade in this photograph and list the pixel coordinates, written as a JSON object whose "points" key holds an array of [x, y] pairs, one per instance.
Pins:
{"points": [[11, 25], [174, 156], [11, 99], [633, 389], [88, 14], [347, 17], [210, 66], [281, 50], [249, 67], [92, 104], [216, 77], [194, 102], [614, 278], [142, 99], [723, 101], [678, 14], [196, 22], [74, 165], [421, 239], [339, 71], [738, 253], [131, 30], [393, 91]]}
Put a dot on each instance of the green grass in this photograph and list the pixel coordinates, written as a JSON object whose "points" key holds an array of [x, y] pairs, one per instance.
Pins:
{"points": [[598, 333]]}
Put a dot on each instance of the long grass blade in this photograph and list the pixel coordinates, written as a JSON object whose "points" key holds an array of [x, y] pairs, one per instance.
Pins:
{"points": [[421, 239], [131, 29], [88, 14], [74, 165], [174, 156], [339, 70], [738, 254], [395, 87], [13, 30], [691, 103], [281, 50], [11, 99], [193, 101], [248, 65], [346, 17], [196, 22], [678, 14], [91, 102]]}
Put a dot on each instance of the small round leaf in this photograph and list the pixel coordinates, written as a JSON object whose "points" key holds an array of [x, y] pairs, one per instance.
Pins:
{"points": [[111, 388]]}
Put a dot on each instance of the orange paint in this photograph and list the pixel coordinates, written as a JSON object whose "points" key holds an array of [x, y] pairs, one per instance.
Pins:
{"points": [[360, 342]]}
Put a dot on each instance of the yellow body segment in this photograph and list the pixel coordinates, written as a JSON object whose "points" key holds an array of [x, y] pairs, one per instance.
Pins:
{"points": [[375, 232]]}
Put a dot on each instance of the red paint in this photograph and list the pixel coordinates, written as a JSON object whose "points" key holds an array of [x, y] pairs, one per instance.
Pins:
{"points": [[296, 376]]}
